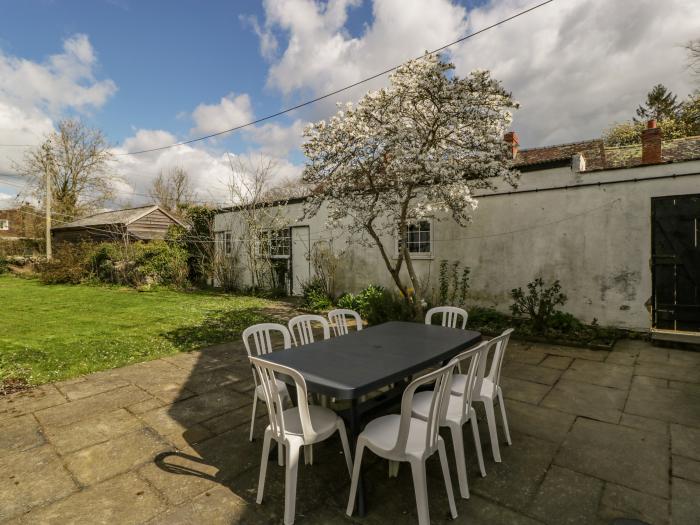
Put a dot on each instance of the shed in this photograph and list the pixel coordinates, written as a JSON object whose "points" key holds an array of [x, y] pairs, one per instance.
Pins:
{"points": [[145, 223]]}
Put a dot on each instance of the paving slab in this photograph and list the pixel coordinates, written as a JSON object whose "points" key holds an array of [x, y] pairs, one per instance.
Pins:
{"points": [[125, 500], [121, 454], [685, 441], [536, 374], [179, 477], [623, 502], [32, 478], [685, 502], [567, 497], [525, 355], [653, 354], [622, 455], [206, 380], [69, 438], [75, 411], [674, 406], [644, 423], [557, 361], [583, 399], [514, 481], [685, 373], [20, 433], [575, 353], [544, 423], [525, 391], [90, 385], [684, 357], [217, 506], [646, 381], [686, 468], [602, 374], [691, 388], [30, 401]]}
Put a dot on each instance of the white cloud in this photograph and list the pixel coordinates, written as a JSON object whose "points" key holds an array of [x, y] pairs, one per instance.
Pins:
{"points": [[232, 110], [277, 140], [575, 66]]}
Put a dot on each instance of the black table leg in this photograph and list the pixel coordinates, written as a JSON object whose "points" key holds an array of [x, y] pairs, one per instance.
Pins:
{"points": [[354, 434]]}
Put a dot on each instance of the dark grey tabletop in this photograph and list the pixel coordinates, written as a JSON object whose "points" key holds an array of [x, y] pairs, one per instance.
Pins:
{"points": [[355, 364]]}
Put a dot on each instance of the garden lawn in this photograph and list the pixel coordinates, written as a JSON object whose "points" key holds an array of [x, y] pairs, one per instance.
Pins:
{"points": [[55, 332]]}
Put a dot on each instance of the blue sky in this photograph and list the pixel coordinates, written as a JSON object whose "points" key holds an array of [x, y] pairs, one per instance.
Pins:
{"points": [[149, 73]]}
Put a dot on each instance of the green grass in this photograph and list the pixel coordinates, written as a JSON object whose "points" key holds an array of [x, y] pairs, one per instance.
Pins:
{"points": [[55, 332]]}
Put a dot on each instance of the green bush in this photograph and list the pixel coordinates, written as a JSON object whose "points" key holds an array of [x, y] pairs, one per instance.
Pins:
{"points": [[348, 301], [488, 320], [4, 267], [380, 306], [68, 265], [538, 304], [315, 295]]}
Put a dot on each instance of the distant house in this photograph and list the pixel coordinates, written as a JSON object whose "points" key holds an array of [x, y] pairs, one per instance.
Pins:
{"points": [[20, 223], [145, 223]]}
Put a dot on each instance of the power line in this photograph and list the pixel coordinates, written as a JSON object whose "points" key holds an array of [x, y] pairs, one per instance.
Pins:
{"points": [[340, 90]]}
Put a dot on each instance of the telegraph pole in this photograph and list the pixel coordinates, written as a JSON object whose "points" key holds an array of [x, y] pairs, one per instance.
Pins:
{"points": [[47, 170]]}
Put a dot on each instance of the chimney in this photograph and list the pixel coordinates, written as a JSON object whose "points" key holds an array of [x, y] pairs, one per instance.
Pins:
{"points": [[511, 138], [651, 144]]}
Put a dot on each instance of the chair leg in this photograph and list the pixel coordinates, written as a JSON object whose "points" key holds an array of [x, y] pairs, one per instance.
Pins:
{"points": [[448, 480], [252, 417], [458, 446], [308, 454], [346, 445], [394, 468], [503, 415], [355, 477], [493, 431], [290, 483], [280, 454], [477, 442], [263, 465], [420, 487]]}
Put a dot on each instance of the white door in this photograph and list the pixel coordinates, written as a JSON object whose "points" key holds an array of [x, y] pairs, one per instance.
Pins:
{"points": [[301, 260]]}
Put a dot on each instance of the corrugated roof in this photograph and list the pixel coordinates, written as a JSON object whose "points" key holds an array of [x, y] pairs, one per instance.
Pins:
{"points": [[126, 216]]}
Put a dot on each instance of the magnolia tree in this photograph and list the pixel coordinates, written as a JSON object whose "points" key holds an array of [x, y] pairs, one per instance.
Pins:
{"points": [[415, 149]]}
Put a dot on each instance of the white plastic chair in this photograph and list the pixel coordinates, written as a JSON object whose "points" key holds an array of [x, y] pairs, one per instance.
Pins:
{"points": [[459, 411], [488, 387], [293, 428], [260, 334], [451, 316], [339, 320], [405, 438], [301, 328]]}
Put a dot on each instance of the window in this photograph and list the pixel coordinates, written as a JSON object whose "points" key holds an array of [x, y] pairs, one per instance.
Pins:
{"points": [[228, 243], [4, 224], [418, 239], [275, 243]]}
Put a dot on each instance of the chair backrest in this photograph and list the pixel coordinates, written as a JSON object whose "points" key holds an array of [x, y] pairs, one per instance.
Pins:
{"points": [[260, 334], [498, 345], [442, 378], [266, 371], [301, 328], [339, 320], [451, 316], [469, 362]]}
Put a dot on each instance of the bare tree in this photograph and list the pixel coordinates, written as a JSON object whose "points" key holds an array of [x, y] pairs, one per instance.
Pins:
{"points": [[249, 187], [693, 48], [75, 158], [172, 189]]}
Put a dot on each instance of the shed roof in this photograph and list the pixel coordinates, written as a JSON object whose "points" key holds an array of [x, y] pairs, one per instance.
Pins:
{"points": [[116, 217]]}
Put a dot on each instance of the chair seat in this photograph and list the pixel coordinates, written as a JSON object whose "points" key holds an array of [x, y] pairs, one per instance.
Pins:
{"points": [[323, 420], [460, 380], [382, 433], [281, 386], [455, 408]]}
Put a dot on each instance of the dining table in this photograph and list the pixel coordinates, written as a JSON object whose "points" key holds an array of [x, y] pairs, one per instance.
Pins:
{"points": [[380, 358]]}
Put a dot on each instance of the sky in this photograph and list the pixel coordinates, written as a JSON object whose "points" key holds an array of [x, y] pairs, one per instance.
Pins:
{"points": [[153, 73]]}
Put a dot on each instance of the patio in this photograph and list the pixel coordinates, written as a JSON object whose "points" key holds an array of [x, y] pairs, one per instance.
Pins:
{"points": [[596, 435]]}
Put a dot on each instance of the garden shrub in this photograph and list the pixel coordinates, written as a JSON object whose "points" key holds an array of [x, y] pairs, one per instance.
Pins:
{"points": [[315, 296], [69, 264], [4, 265], [538, 304], [453, 283]]}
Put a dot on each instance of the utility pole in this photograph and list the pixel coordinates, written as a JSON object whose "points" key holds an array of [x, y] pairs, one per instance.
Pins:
{"points": [[47, 171]]}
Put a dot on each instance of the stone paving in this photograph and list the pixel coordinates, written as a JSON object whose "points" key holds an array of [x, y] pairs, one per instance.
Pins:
{"points": [[596, 436]]}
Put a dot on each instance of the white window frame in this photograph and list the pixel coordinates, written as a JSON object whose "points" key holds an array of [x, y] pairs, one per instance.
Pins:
{"points": [[268, 242], [4, 224], [421, 255]]}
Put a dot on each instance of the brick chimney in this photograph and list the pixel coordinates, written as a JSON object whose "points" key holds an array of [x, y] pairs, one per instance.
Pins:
{"points": [[511, 138], [651, 144]]}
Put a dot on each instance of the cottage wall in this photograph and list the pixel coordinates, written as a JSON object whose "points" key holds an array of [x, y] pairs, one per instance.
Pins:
{"points": [[590, 230]]}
